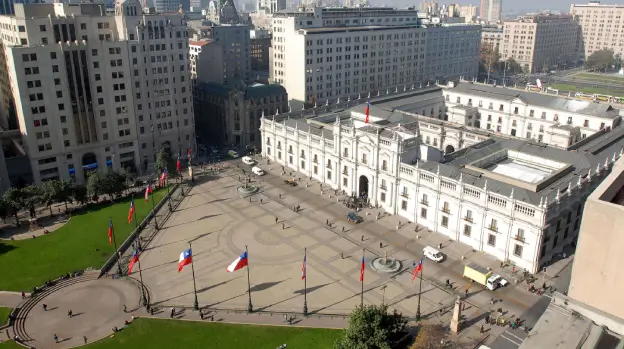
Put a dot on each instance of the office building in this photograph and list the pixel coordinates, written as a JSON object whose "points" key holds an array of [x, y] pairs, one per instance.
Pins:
{"points": [[107, 82], [541, 118], [599, 27], [230, 115], [260, 49], [492, 37], [514, 199], [225, 12], [540, 43], [222, 56], [326, 53], [491, 10], [271, 6], [167, 6], [429, 7], [469, 12], [596, 271]]}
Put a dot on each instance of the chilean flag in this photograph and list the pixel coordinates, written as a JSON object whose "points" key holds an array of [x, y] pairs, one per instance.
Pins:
{"points": [[110, 232], [186, 258], [362, 270], [131, 212], [189, 152], [148, 191], [163, 176], [303, 268], [239, 263], [178, 164], [417, 269], [133, 260], [367, 109]]}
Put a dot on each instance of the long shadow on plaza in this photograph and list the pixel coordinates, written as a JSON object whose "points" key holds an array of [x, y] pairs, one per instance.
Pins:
{"points": [[201, 290], [297, 293], [266, 285], [198, 219]]}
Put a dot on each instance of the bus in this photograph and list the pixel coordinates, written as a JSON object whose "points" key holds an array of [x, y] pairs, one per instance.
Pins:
{"points": [[584, 96], [618, 100], [604, 98]]}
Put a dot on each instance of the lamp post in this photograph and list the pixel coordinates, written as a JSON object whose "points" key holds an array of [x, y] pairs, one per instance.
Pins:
{"points": [[383, 294], [419, 293], [195, 303]]}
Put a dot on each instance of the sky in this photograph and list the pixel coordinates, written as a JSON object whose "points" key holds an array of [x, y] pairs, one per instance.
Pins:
{"points": [[509, 6]]}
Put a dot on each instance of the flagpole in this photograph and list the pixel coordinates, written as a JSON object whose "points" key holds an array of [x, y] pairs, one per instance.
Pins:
{"points": [[250, 305], [419, 291], [196, 303], [136, 221], [153, 204], [305, 283], [362, 294], [116, 251], [143, 297]]}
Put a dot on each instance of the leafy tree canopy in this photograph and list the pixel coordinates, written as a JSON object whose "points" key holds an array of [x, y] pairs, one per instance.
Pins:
{"points": [[372, 327]]}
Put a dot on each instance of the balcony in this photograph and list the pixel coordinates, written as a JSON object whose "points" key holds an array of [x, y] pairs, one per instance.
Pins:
{"points": [[405, 195], [329, 166], [364, 161], [279, 147], [346, 173], [446, 210], [519, 238], [424, 203], [468, 219], [315, 161], [290, 151], [493, 228], [384, 168], [383, 186]]}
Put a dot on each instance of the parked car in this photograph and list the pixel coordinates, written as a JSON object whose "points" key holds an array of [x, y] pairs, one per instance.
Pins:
{"points": [[257, 171], [248, 161], [354, 218], [433, 254]]}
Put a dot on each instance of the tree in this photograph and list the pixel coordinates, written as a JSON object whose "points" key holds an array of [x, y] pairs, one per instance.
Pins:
{"points": [[165, 159], [14, 200], [600, 59], [112, 184], [430, 336], [80, 194], [48, 193], [32, 196], [63, 191], [372, 327], [94, 184], [489, 57], [513, 67]]}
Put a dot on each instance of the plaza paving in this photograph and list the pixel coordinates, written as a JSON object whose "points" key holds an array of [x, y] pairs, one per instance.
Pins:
{"points": [[220, 224]]}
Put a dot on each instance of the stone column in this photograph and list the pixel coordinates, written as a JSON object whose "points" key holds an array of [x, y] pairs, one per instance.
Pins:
{"points": [[455, 321]]}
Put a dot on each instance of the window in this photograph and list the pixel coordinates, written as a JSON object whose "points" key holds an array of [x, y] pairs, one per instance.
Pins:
{"points": [[423, 213], [468, 216], [493, 225], [303, 165], [491, 240], [329, 175], [425, 200], [520, 235], [345, 153], [364, 158], [445, 207], [345, 181], [404, 205], [467, 230], [384, 165], [445, 221], [382, 197], [518, 250]]}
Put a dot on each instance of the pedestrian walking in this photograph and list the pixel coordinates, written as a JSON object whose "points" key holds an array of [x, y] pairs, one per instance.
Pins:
{"points": [[84, 338], [285, 317], [342, 255], [466, 293], [125, 309], [343, 229], [45, 307], [362, 237], [380, 245], [448, 283], [283, 225], [70, 313], [327, 222], [276, 219], [487, 319], [55, 338], [481, 330], [23, 294], [172, 313], [261, 200], [201, 315], [250, 199]]}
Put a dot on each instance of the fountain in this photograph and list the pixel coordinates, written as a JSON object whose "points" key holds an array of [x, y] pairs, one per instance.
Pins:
{"points": [[386, 264], [246, 189]]}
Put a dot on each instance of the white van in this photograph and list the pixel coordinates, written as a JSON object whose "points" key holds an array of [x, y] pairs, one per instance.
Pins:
{"points": [[257, 171], [248, 161], [433, 254]]}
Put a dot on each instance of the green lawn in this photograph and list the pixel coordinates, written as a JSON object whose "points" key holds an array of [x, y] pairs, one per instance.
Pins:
{"points": [[29, 263], [599, 78], [589, 90], [4, 315]]}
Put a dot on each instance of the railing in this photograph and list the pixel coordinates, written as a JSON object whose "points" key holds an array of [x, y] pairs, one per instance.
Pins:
{"points": [[445, 210], [425, 203], [493, 228], [519, 238], [468, 219], [364, 161], [383, 186], [405, 195], [384, 168], [315, 161]]}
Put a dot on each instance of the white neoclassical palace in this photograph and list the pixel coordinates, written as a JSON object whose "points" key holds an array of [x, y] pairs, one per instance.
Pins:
{"points": [[518, 200]]}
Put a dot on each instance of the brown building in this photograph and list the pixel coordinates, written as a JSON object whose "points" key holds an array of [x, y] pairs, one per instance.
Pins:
{"points": [[597, 274], [260, 45], [601, 27], [542, 42]]}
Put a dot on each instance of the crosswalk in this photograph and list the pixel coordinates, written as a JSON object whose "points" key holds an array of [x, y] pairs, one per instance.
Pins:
{"points": [[512, 338]]}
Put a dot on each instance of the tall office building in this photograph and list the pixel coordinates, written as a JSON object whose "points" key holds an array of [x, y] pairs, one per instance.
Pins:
{"points": [[599, 27], [107, 81], [491, 10], [271, 6], [469, 12], [327, 53], [541, 42]]}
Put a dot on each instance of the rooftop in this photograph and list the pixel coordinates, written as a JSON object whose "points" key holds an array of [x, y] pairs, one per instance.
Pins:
{"points": [[538, 99]]}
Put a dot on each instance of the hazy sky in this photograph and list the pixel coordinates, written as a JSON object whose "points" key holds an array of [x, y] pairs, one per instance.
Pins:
{"points": [[508, 5]]}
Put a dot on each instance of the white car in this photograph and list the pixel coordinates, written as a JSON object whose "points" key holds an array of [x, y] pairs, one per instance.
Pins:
{"points": [[248, 161], [433, 254], [257, 171]]}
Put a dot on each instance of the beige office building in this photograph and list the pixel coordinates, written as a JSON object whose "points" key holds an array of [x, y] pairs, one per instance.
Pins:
{"points": [[469, 12], [541, 42], [597, 272], [491, 10], [601, 27]]}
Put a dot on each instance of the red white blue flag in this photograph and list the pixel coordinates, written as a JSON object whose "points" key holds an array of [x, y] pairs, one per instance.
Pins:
{"points": [[367, 109], [133, 260], [362, 270], [417, 269], [303, 268], [148, 191], [186, 258], [238, 263], [110, 232]]}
